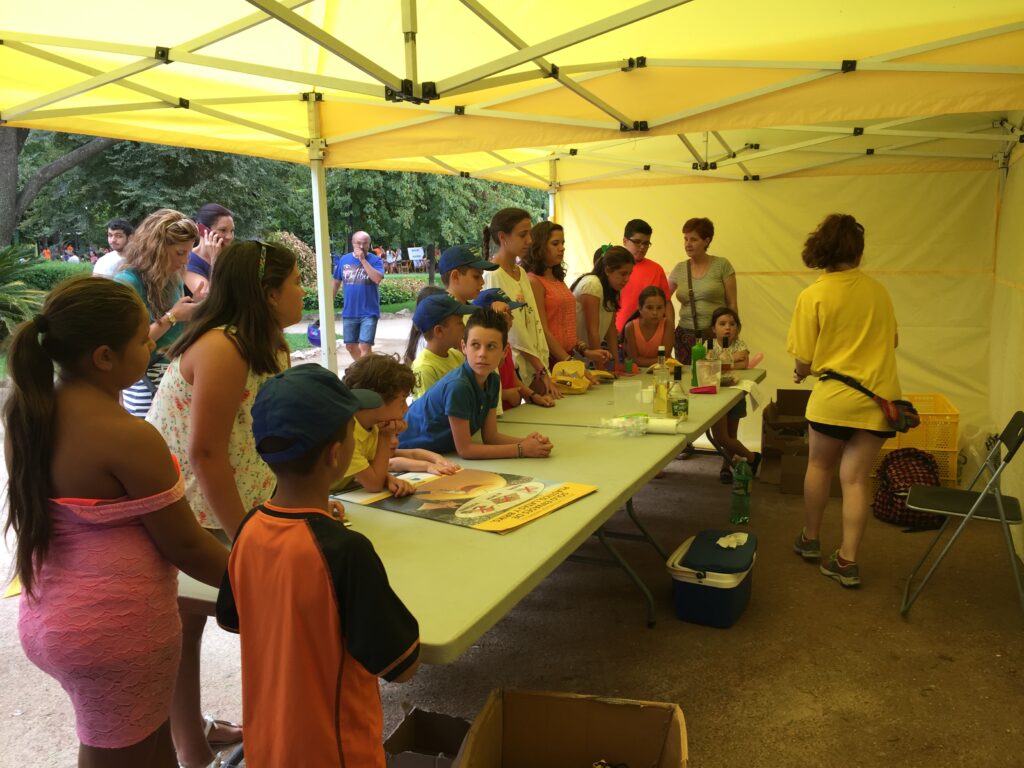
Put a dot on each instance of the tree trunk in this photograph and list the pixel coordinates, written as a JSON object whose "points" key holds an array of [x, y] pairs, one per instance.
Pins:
{"points": [[14, 203]]}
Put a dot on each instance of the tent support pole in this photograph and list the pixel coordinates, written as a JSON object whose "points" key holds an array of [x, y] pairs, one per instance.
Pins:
{"points": [[321, 235], [552, 187]]}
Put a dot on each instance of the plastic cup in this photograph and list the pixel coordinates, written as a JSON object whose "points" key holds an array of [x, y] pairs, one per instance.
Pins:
{"points": [[626, 394]]}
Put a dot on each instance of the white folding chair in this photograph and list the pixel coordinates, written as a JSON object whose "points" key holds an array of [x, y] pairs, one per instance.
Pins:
{"points": [[981, 501]]}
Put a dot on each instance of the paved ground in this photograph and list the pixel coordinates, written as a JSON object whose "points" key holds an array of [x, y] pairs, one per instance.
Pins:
{"points": [[811, 675], [392, 337]]}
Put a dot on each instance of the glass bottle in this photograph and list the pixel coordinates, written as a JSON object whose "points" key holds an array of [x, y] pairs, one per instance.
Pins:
{"points": [[726, 354], [661, 381], [679, 402]]}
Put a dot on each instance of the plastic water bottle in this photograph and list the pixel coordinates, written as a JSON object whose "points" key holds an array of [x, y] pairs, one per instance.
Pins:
{"points": [[741, 482], [698, 352]]}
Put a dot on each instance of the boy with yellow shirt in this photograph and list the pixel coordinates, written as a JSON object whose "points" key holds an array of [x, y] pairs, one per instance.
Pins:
{"points": [[439, 319], [374, 427]]}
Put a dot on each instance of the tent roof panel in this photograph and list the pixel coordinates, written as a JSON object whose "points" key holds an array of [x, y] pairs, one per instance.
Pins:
{"points": [[727, 67]]}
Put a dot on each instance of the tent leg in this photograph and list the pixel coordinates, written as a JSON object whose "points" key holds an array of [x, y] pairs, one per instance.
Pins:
{"points": [[322, 236]]}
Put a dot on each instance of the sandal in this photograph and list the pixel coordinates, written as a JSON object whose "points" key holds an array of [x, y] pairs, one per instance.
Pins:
{"points": [[215, 744]]}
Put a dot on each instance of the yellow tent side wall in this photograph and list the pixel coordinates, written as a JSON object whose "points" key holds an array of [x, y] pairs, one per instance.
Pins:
{"points": [[1006, 369], [930, 238]]}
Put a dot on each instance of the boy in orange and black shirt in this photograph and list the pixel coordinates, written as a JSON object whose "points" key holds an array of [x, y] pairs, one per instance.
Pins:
{"points": [[319, 622]]}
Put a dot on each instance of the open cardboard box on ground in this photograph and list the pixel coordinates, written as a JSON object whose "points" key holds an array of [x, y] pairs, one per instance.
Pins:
{"points": [[784, 435], [532, 729], [425, 740]]}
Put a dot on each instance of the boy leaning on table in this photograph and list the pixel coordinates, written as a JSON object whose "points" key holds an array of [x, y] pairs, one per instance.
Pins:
{"points": [[319, 622], [463, 402]]}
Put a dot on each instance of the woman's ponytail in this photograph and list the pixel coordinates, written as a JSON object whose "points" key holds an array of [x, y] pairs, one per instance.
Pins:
{"points": [[29, 423]]}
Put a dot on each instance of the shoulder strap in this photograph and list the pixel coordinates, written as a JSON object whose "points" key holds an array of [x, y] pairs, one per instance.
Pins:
{"points": [[848, 381], [693, 301]]}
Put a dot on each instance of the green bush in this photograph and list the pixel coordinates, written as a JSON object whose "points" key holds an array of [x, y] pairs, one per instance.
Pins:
{"points": [[45, 275], [392, 291]]}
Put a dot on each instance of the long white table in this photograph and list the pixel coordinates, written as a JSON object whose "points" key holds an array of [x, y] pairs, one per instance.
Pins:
{"points": [[590, 408], [459, 582]]}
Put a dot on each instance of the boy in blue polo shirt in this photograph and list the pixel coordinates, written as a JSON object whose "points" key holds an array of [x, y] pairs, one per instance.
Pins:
{"points": [[439, 319], [463, 402]]}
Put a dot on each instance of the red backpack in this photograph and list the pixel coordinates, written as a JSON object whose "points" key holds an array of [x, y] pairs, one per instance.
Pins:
{"points": [[899, 470]]}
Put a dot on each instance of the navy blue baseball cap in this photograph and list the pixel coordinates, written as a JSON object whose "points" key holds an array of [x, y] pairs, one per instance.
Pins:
{"points": [[490, 295], [432, 310], [305, 404], [463, 256]]}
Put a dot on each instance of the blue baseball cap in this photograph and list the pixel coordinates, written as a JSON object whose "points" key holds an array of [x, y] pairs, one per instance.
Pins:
{"points": [[433, 310], [463, 256], [305, 404], [490, 295]]}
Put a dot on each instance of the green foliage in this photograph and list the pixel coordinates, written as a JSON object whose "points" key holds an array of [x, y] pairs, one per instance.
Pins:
{"points": [[131, 180], [46, 275], [18, 301], [393, 290], [306, 256]]}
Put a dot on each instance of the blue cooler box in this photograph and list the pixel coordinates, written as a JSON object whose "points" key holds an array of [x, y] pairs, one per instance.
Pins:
{"points": [[710, 583]]}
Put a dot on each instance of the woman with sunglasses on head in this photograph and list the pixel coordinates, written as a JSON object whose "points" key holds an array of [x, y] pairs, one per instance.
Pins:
{"points": [[203, 410], [153, 262]]}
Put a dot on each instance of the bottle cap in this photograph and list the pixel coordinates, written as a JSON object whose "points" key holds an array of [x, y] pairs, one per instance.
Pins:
{"points": [[661, 349]]}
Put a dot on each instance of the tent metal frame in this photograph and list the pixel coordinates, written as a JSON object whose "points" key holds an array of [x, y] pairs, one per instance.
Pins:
{"points": [[424, 102]]}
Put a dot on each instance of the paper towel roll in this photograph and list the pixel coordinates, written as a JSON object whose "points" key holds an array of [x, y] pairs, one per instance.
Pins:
{"points": [[665, 426]]}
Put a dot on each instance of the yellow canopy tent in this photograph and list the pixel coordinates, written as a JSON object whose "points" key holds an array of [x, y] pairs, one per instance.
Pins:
{"points": [[761, 115]]}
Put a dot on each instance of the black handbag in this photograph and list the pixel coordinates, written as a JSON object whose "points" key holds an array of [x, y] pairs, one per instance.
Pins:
{"points": [[901, 414]]}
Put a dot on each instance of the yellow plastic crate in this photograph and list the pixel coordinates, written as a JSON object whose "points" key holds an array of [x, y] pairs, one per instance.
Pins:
{"points": [[938, 431]]}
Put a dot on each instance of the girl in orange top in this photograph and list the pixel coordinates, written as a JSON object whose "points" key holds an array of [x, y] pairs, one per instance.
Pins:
{"points": [[555, 301], [647, 329]]}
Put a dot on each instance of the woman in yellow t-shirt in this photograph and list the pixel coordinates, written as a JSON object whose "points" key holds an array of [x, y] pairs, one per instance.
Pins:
{"points": [[842, 322]]}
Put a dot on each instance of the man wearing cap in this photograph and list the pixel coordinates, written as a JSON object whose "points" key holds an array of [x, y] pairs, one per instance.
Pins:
{"points": [[636, 238], [360, 272], [319, 623], [462, 272], [439, 319]]}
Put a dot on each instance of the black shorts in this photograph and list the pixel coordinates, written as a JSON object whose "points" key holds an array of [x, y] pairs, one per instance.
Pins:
{"points": [[845, 433]]}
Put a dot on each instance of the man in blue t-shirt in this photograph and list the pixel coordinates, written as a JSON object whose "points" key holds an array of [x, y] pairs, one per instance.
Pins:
{"points": [[360, 272]]}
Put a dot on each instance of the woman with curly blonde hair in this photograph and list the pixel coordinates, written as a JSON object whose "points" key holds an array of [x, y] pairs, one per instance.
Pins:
{"points": [[154, 260]]}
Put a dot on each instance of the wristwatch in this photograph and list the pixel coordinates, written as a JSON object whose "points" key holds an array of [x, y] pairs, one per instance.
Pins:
{"points": [[170, 318]]}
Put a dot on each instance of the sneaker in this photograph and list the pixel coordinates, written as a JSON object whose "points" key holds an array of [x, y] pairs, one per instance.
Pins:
{"points": [[808, 548], [848, 575], [755, 465]]}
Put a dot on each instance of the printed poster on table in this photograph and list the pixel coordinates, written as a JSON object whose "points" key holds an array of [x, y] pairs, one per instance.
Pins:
{"points": [[474, 498]]}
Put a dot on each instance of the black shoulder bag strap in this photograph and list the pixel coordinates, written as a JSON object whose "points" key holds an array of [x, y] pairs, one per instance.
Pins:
{"points": [[693, 300], [848, 381]]}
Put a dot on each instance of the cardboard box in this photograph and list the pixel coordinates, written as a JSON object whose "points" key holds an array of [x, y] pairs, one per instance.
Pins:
{"points": [[531, 729], [425, 740], [784, 427], [791, 476]]}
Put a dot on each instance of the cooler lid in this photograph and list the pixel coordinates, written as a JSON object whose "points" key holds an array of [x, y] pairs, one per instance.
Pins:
{"points": [[704, 553]]}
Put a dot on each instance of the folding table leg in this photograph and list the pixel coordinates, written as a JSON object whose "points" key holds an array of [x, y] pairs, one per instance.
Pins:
{"points": [[632, 575]]}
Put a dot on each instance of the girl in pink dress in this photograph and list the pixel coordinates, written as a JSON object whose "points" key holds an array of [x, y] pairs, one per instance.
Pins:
{"points": [[96, 504]]}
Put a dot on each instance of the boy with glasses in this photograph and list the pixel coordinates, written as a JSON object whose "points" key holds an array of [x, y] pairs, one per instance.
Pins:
{"points": [[637, 240]]}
